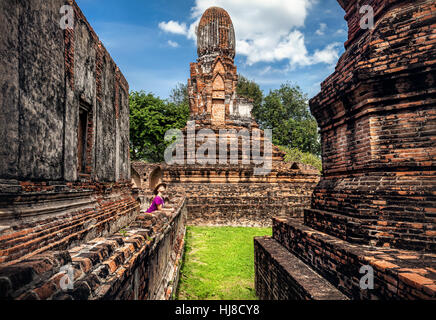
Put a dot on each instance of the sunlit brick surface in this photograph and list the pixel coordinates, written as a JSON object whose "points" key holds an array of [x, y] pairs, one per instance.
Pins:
{"points": [[375, 203]]}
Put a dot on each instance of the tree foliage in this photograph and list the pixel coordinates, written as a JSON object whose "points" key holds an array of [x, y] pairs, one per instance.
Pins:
{"points": [[284, 110], [250, 89], [296, 155], [287, 113], [150, 118], [179, 95]]}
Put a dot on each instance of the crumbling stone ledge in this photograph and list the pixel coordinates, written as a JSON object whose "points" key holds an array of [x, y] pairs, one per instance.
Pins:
{"points": [[41, 217], [398, 274], [140, 262], [291, 278]]}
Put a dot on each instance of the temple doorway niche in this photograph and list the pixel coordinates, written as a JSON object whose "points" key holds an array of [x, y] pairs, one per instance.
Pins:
{"points": [[155, 178], [218, 97], [136, 179]]}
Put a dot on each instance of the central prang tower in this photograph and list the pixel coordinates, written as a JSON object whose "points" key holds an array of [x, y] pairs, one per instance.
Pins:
{"points": [[229, 192], [212, 86]]}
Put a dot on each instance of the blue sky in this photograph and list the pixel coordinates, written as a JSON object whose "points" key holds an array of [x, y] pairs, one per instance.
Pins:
{"points": [[153, 41]]}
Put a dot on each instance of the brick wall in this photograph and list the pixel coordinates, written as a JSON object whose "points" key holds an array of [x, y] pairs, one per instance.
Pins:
{"points": [[281, 276], [140, 262], [38, 217], [232, 195], [301, 263], [49, 73], [376, 114], [339, 262], [55, 214], [374, 205]]}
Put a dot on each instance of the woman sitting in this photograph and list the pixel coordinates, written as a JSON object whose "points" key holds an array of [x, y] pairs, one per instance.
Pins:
{"points": [[158, 201]]}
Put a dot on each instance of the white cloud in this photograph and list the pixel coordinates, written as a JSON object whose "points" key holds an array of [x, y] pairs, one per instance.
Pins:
{"points": [[321, 30], [173, 44], [174, 27], [264, 49], [329, 54], [259, 17], [266, 31]]}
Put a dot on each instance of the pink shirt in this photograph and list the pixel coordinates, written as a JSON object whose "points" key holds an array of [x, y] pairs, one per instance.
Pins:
{"points": [[156, 202]]}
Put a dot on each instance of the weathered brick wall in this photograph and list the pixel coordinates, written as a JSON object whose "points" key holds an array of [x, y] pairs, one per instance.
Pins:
{"points": [[52, 216], [271, 281], [57, 212], [377, 119], [375, 204], [157, 278], [282, 276], [300, 263], [140, 262], [47, 200], [46, 72], [232, 195], [398, 274]]}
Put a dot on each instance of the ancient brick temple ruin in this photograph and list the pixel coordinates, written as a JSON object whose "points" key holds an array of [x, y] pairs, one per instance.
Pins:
{"points": [[230, 192], [374, 208], [70, 226]]}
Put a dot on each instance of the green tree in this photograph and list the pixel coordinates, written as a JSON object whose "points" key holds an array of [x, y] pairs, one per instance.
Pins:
{"points": [[287, 113], [296, 155], [179, 95], [150, 118], [250, 89]]}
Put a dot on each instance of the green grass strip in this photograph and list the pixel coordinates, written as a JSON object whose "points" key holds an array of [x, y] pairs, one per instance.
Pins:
{"points": [[219, 263]]}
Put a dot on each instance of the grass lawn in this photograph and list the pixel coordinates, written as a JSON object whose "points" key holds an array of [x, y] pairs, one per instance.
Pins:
{"points": [[219, 263]]}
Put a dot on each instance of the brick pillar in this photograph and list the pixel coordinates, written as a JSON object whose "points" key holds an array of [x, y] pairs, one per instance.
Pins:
{"points": [[377, 117]]}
